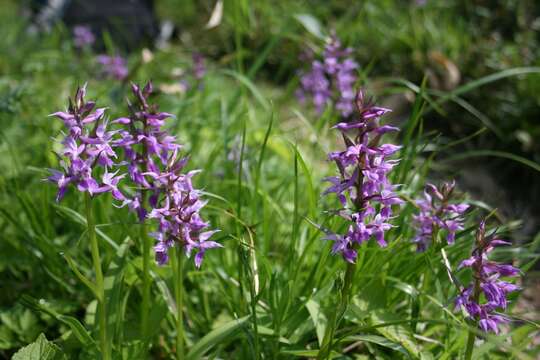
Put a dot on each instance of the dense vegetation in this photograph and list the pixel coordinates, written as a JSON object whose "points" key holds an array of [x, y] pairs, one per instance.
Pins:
{"points": [[462, 79]]}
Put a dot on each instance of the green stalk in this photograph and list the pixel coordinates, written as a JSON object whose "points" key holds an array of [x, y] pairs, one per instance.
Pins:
{"points": [[146, 255], [100, 289], [178, 278], [240, 250], [472, 333], [336, 316], [146, 245]]}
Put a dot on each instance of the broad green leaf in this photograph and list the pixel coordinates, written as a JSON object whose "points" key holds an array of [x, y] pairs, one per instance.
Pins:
{"points": [[22, 322], [318, 318], [41, 349], [78, 329], [395, 333]]}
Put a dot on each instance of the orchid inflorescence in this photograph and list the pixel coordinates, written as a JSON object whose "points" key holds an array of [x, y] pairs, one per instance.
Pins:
{"points": [[487, 282], [155, 167], [438, 211], [151, 155], [83, 36], [332, 80], [199, 66], [114, 67], [87, 146], [363, 189]]}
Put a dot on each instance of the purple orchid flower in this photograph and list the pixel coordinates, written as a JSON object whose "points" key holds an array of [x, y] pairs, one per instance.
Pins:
{"points": [[88, 146], [487, 281], [114, 67], [362, 186], [154, 166], [332, 80], [83, 36], [438, 213]]}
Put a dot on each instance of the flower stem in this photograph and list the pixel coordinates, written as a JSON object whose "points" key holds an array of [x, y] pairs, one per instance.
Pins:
{"points": [[470, 345], [102, 308], [146, 244], [146, 276], [472, 334], [336, 316], [178, 278]]}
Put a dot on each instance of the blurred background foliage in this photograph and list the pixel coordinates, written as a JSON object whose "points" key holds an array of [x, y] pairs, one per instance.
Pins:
{"points": [[451, 43]]}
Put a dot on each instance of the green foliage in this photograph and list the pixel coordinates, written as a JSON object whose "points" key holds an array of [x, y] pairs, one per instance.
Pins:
{"points": [[270, 291], [41, 349]]}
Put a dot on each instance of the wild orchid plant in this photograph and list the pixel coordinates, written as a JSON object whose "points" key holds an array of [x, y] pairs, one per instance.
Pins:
{"points": [[114, 67], [438, 211], [487, 292], [155, 168], [364, 191], [331, 80], [86, 160], [140, 164], [362, 187], [199, 66], [161, 190], [367, 196], [83, 36]]}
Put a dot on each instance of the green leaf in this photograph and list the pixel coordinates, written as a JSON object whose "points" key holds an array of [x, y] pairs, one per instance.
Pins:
{"points": [[395, 333], [78, 329], [113, 284], [379, 340], [215, 337], [81, 277], [250, 86], [22, 322], [308, 353], [41, 349], [494, 153], [79, 219], [488, 79], [264, 331], [319, 320]]}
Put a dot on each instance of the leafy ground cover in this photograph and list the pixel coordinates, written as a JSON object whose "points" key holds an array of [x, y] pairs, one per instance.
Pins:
{"points": [[277, 289]]}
